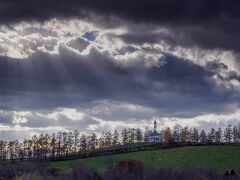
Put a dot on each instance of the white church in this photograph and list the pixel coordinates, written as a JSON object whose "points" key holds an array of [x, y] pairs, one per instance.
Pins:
{"points": [[154, 136]]}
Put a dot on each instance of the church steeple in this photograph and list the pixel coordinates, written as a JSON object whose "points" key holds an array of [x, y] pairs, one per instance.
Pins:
{"points": [[155, 126]]}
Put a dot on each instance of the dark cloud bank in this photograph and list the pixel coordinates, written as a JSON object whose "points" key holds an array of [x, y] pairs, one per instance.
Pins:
{"points": [[204, 23], [197, 11], [69, 80]]}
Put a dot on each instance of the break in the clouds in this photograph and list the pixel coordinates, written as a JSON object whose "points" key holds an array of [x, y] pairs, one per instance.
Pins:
{"points": [[99, 65]]}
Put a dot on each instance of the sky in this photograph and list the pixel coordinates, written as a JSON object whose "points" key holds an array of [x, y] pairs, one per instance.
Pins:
{"points": [[97, 65]]}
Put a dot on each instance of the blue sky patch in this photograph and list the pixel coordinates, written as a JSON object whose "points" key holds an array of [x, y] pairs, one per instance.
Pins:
{"points": [[89, 36]]}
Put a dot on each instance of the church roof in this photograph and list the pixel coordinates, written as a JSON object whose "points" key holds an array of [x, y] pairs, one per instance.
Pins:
{"points": [[154, 133]]}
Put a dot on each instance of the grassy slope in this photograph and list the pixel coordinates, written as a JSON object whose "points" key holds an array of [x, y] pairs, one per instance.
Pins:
{"points": [[219, 158]]}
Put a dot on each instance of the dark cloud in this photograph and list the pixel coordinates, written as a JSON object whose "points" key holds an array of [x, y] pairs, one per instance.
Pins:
{"points": [[151, 11], [211, 24], [78, 44], [221, 70], [69, 80], [214, 35]]}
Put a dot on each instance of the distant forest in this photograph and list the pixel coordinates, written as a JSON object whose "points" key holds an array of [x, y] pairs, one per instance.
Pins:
{"points": [[63, 144]]}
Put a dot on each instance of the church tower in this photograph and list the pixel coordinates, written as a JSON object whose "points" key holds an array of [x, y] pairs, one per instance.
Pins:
{"points": [[155, 126]]}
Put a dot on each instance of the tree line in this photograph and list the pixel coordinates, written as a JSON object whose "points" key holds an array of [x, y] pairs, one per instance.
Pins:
{"points": [[63, 144]]}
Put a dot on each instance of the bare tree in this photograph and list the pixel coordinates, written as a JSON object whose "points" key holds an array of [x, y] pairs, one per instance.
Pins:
{"points": [[124, 136], [83, 143], [76, 140], [115, 139], [228, 134], [146, 135], [101, 142], [93, 142], [238, 133], [203, 136], [185, 134], [108, 138], [211, 135], [59, 147], [195, 135], [218, 135], [131, 135], [235, 134], [176, 133], [3, 150], [53, 145], [138, 135]]}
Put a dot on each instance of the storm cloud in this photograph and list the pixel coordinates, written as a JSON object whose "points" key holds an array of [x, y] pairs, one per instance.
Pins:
{"points": [[209, 24], [155, 11], [99, 65], [72, 80]]}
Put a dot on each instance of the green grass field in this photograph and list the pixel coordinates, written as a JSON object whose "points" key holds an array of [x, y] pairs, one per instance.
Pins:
{"points": [[219, 158]]}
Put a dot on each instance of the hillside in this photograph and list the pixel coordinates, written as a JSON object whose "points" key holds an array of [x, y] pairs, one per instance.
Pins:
{"points": [[219, 158]]}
